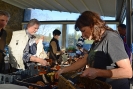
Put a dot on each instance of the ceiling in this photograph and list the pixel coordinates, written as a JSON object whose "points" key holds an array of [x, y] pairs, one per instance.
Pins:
{"points": [[112, 8]]}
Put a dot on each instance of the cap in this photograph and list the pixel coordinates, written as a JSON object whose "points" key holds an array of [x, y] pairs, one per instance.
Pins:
{"points": [[80, 42], [77, 29]]}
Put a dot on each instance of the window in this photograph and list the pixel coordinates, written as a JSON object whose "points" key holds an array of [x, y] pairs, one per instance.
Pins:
{"points": [[72, 35], [47, 15], [124, 22], [72, 38], [47, 31], [113, 26]]}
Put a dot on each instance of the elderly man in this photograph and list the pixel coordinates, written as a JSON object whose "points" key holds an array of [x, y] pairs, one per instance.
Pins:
{"points": [[29, 53]]}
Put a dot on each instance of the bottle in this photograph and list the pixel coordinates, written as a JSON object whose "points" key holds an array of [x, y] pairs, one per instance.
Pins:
{"points": [[6, 60]]}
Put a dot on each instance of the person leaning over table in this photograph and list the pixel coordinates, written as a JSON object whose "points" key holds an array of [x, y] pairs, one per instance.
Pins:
{"points": [[107, 58], [30, 50]]}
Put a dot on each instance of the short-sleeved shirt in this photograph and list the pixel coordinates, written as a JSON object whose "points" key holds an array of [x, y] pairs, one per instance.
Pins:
{"points": [[105, 53]]}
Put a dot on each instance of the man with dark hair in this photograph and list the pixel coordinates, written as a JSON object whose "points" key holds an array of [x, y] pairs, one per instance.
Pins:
{"points": [[122, 31], [54, 47], [4, 18], [122, 25], [56, 32]]}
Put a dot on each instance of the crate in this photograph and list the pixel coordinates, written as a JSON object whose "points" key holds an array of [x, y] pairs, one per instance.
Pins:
{"points": [[93, 83], [65, 82], [31, 82], [8, 78]]}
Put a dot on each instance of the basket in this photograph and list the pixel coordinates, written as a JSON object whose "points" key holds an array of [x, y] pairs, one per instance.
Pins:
{"points": [[93, 83], [64, 84], [80, 83]]}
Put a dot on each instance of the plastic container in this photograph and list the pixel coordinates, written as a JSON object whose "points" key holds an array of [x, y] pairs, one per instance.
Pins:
{"points": [[32, 82]]}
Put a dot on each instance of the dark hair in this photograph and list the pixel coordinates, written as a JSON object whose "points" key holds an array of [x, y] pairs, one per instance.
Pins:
{"points": [[80, 42], [33, 22], [4, 13], [89, 18], [56, 32], [122, 26]]}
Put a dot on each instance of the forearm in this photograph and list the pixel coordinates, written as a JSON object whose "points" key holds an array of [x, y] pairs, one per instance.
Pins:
{"points": [[114, 73], [121, 73], [124, 70], [34, 59], [39, 60], [77, 65]]}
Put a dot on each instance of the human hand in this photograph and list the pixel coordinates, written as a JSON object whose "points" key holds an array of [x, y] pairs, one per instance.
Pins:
{"points": [[44, 62], [41, 38], [57, 74], [90, 72], [63, 50]]}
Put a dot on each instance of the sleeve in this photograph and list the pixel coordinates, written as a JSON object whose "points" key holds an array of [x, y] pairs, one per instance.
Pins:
{"points": [[5, 34], [54, 47], [116, 50], [26, 54]]}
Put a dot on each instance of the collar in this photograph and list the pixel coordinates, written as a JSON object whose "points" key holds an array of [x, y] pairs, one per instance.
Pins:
{"points": [[54, 38], [29, 35]]}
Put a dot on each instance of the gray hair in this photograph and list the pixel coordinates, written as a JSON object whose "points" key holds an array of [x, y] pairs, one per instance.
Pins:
{"points": [[5, 13], [33, 22]]}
